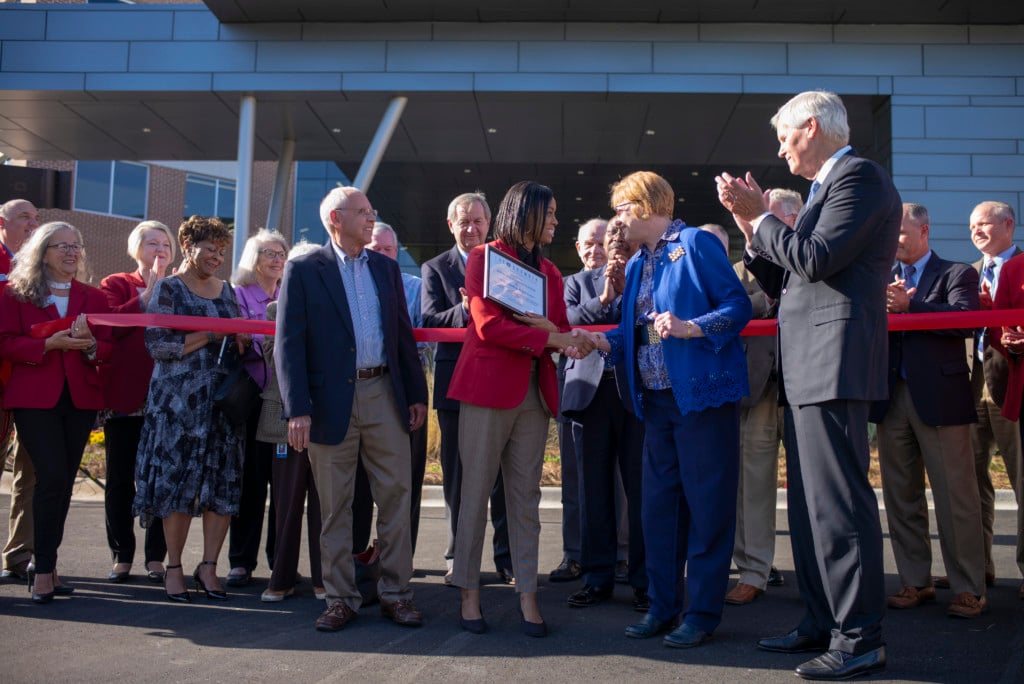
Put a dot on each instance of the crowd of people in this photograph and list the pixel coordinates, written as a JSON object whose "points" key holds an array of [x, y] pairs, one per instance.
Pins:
{"points": [[669, 422]]}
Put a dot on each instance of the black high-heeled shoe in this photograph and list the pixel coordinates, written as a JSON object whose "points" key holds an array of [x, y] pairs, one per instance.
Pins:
{"points": [[210, 593], [38, 598], [183, 597]]}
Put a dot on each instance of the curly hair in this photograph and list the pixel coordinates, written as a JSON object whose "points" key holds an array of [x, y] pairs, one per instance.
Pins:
{"points": [[196, 229], [27, 279]]}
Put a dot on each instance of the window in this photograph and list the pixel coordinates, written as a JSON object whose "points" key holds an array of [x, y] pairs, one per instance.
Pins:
{"points": [[205, 196], [119, 188]]}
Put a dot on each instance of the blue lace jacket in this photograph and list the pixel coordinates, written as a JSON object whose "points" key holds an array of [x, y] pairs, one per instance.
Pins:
{"points": [[694, 279]]}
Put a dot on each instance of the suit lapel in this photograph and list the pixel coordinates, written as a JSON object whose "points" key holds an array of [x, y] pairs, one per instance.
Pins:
{"points": [[927, 279], [327, 264]]}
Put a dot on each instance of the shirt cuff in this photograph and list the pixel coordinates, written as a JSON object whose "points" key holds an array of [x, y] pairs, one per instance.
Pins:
{"points": [[757, 222]]}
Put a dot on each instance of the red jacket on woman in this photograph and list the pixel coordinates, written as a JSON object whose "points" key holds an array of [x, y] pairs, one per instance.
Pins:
{"points": [[126, 377], [1010, 295], [493, 369], [37, 378]]}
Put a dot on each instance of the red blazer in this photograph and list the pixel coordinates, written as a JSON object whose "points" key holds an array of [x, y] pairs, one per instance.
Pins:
{"points": [[1010, 295], [126, 377], [38, 378], [493, 369]]}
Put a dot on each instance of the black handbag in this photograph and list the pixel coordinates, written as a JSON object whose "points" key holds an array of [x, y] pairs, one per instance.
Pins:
{"points": [[237, 393]]}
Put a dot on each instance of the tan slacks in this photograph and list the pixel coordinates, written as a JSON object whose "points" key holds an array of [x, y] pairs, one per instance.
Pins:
{"points": [[377, 432], [990, 432], [20, 530], [513, 439], [906, 449], [760, 434]]}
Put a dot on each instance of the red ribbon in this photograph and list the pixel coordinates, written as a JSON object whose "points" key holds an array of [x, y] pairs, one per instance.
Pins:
{"points": [[924, 321]]}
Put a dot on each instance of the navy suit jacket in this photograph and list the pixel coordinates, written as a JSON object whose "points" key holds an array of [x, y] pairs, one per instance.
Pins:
{"points": [[441, 304], [936, 369], [583, 307], [315, 347], [829, 275]]}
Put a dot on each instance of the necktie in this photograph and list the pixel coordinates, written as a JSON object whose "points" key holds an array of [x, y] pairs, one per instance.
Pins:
{"points": [[908, 276], [815, 186], [988, 273]]}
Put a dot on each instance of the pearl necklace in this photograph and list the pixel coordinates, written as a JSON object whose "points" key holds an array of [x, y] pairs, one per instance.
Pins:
{"points": [[59, 286]]}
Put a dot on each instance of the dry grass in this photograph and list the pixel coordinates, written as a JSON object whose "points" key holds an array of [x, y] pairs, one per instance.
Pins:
{"points": [[95, 462]]}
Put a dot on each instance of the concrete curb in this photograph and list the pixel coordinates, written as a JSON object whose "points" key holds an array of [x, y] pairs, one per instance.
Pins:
{"points": [[550, 497]]}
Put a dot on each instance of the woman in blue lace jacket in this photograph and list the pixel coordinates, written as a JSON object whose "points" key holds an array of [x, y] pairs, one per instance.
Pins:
{"points": [[682, 312]]}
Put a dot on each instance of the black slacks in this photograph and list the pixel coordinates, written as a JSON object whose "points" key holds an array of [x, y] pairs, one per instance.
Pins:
{"points": [[834, 523], [55, 439], [122, 434], [294, 491], [247, 526]]}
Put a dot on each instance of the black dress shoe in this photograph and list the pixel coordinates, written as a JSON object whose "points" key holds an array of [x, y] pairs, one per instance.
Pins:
{"points": [[794, 642], [775, 578], [567, 571], [506, 576], [641, 601], [685, 636], [533, 629], [478, 626], [43, 598], [589, 595], [118, 577], [63, 590], [155, 576], [622, 572], [840, 665], [646, 628]]}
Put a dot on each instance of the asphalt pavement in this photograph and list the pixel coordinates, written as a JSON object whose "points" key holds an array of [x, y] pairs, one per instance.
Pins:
{"points": [[128, 632]]}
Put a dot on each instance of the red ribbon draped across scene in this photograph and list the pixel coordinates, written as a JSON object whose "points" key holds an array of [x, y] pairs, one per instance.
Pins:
{"points": [[924, 321]]}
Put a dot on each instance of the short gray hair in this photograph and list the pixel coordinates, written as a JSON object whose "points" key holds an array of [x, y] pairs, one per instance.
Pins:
{"points": [[302, 247], [592, 222], [790, 199], [827, 108], [381, 227], [466, 199], [332, 201], [917, 212]]}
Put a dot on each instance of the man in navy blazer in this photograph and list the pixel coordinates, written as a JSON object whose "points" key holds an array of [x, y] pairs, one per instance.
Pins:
{"points": [[352, 386], [925, 427], [443, 304], [607, 437], [829, 274]]}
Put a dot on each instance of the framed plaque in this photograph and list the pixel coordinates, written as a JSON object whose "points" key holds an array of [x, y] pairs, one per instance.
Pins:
{"points": [[513, 284]]}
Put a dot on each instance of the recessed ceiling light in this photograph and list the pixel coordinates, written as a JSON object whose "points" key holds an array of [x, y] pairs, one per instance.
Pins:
{"points": [[580, 172], [579, 199], [467, 170], [147, 130], [576, 220], [649, 131], [492, 130], [681, 200], [695, 173], [335, 130]]}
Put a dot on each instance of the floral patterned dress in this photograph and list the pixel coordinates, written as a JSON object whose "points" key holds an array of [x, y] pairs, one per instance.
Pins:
{"points": [[189, 460]]}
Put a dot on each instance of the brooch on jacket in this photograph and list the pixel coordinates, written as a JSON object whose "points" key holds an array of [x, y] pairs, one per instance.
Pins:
{"points": [[676, 254]]}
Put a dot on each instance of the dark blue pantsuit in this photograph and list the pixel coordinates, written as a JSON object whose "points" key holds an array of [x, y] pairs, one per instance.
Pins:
{"points": [[690, 476]]}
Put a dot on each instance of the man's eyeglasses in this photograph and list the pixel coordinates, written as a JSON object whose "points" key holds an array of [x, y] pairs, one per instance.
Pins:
{"points": [[66, 247], [623, 208], [273, 254], [364, 213]]}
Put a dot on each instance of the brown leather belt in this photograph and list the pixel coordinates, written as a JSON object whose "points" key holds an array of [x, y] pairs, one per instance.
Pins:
{"points": [[367, 373]]}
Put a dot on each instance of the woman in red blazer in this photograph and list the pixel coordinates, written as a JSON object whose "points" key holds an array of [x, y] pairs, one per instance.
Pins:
{"points": [[505, 379], [54, 390], [125, 385], [1009, 341]]}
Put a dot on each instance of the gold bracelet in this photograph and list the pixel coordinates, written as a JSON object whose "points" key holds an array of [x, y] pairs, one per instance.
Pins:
{"points": [[689, 329]]}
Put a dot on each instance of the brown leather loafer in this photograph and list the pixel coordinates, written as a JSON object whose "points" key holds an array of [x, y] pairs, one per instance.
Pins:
{"points": [[337, 615], [742, 594], [911, 597], [402, 612], [966, 605]]}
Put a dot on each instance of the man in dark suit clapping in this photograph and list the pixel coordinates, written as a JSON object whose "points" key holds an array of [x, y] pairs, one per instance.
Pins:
{"points": [[443, 301], [829, 274], [925, 427]]}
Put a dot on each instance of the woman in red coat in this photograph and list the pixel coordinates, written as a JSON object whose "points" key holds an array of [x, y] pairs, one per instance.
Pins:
{"points": [[505, 379], [54, 389], [125, 385]]}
